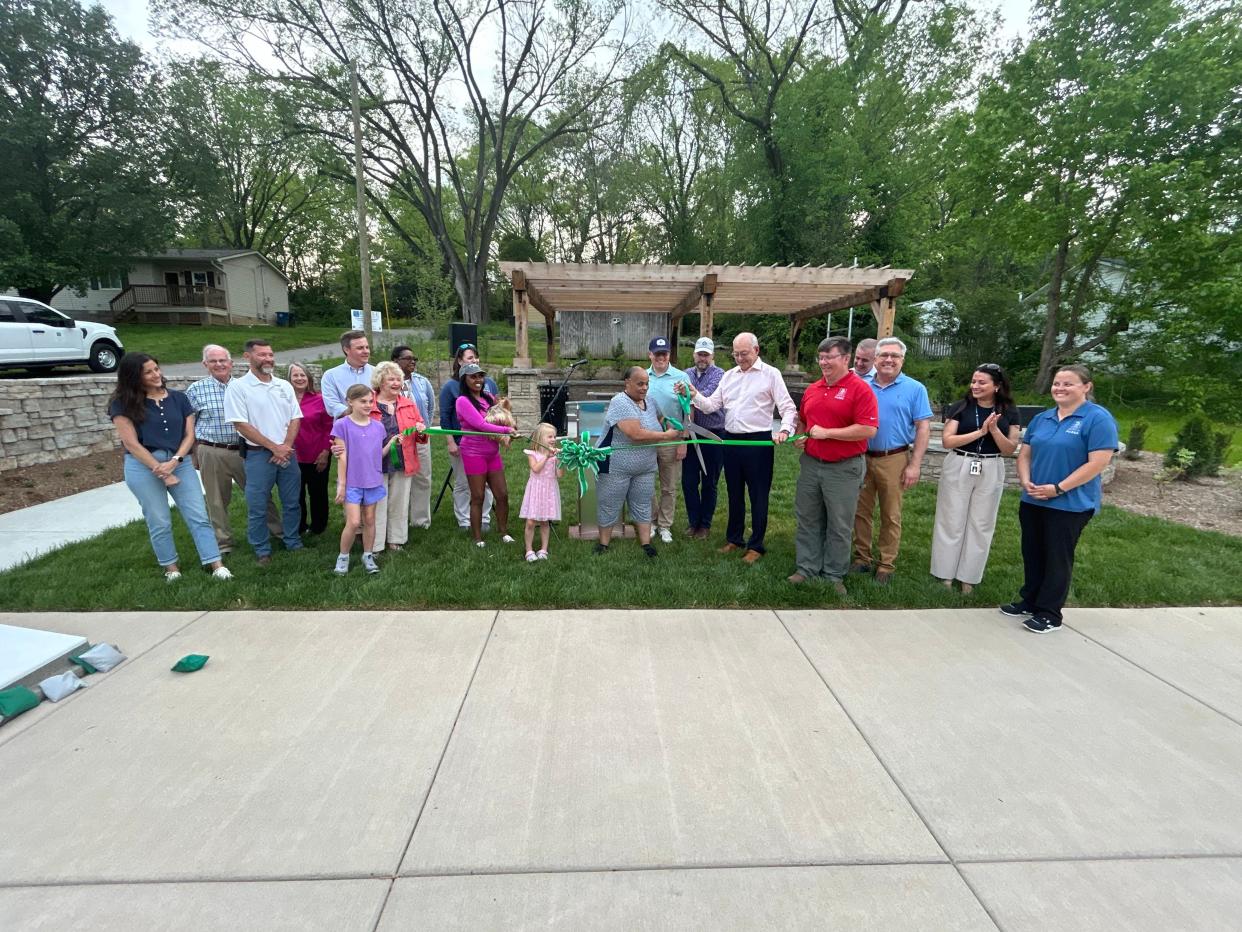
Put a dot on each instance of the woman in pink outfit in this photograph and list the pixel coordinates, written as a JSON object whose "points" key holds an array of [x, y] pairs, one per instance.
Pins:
{"points": [[541, 504], [480, 456], [312, 446]]}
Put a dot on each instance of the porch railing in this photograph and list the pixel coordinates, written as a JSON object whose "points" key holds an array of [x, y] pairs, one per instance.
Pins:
{"points": [[190, 296]]}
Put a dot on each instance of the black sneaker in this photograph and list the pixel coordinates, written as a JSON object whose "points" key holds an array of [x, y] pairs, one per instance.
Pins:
{"points": [[1041, 624], [600, 548], [1015, 610], [650, 551]]}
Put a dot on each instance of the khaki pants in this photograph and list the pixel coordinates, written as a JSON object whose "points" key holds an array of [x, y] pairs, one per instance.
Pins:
{"points": [[392, 525], [883, 481], [966, 509], [420, 488], [219, 469], [664, 502]]}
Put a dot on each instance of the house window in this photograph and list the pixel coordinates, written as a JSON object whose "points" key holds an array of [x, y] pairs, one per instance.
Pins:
{"points": [[110, 281], [200, 279]]}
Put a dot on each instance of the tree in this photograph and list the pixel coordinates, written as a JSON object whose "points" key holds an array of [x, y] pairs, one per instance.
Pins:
{"points": [[79, 194], [458, 96], [244, 178], [1085, 146]]}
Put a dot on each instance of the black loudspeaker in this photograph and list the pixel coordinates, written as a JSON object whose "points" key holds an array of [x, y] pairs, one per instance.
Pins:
{"points": [[462, 333]]}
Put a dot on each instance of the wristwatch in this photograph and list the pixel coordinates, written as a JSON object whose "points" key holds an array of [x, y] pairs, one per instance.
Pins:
{"points": [[178, 458], [1059, 490]]}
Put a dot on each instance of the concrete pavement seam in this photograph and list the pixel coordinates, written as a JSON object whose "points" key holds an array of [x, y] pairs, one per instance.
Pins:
{"points": [[1154, 675], [409, 839], [120, 669], [892, 776]]}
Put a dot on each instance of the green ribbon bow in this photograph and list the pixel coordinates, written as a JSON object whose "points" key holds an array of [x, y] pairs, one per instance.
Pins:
{"points": [[581, 457]]}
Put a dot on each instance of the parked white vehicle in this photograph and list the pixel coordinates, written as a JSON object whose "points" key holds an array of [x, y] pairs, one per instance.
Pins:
{"points": [[35, 336]]}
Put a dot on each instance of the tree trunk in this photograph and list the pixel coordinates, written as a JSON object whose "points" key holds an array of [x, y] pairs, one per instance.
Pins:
{"points": [[43, 293], [1048, 356]]}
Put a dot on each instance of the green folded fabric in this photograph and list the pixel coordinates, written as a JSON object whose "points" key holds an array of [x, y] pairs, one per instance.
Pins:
{"points": [[84, 664], [15, 701], [189, 663]]}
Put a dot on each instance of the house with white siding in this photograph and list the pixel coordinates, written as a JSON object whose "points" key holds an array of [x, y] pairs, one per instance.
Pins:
{"points": [[185, 286]]}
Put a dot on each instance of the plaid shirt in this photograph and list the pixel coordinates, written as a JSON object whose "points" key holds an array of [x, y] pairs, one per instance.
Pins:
{"points": [[207, 397]]}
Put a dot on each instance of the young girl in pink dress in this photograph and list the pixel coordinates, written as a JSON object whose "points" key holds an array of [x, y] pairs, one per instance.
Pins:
{"points": [[541, 503]]}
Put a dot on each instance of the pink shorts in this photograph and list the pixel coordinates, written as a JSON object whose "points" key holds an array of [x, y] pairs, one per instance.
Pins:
{"points": [[475, 465]]}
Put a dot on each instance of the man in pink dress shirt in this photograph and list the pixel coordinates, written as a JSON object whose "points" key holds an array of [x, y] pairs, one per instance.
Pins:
{"points": [[750, 393]]}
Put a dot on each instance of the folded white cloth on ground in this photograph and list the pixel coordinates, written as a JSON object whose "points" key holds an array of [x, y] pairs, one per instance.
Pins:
{"points": [[103, 657], [57, 687]]}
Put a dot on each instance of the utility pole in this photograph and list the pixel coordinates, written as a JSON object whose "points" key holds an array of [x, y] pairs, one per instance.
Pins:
{"points": [[364, 243]]}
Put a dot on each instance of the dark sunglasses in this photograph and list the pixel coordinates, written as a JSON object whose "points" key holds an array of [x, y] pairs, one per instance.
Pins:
{"points": [[988, 367]]}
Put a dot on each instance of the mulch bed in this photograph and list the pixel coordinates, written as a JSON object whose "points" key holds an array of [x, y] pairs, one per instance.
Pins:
{"points": [[33, 485]]}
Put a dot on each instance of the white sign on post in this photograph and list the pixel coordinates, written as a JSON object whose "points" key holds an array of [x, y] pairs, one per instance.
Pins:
{"points": [[355, 320]]}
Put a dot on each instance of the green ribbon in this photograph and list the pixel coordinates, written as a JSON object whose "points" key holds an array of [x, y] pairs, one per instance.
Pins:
{"points": [[581, 457]]}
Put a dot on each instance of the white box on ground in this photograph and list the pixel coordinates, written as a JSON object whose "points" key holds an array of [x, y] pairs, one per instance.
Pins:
{"points": [[24, 651]]}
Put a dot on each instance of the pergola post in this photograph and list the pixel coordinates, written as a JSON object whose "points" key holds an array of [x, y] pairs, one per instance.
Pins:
{"points": [[521, 349], [549, 327], [885, 311], [705, 314], [795, 328]]}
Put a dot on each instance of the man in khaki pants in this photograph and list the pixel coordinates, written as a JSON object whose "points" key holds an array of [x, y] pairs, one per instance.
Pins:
{"points": [[662, 378], [894, 458], [217, 446]]}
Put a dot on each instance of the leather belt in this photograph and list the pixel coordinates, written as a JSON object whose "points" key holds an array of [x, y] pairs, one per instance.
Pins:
{"points": [[978, 456], [220, 446], [893, 452]]}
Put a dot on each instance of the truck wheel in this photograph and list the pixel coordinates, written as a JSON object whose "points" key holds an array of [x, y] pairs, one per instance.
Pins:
{"points": [[105, 357]]}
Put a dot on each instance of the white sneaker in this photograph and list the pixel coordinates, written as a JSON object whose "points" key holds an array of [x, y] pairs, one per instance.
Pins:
{"points": [[480, 543], [666, 536], [507, 540], [221, 572], [172, 576], [541, 555], [342, 564], [530, 556], [369, 564]]}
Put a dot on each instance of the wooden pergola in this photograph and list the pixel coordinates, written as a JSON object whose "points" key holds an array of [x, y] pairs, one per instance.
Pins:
{"points": [[799, 293]]}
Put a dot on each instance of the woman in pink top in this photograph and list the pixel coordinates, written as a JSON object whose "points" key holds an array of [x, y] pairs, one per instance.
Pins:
{"points": [[480, 456], [312, 446]]}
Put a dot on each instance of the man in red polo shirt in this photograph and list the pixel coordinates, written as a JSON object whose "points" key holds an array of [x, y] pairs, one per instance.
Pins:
{"points": [[839, 413]]}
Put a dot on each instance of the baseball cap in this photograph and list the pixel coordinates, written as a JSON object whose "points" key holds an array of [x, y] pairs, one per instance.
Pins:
{"points": [[704, 345], [470, 368], [658, 345]]}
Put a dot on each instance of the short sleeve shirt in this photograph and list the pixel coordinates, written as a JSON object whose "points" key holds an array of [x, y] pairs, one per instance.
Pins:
{"points": [[902, 402], [364, 452], [163, 425], [844, 403], [627, 456], [663, 395], [970, 418], [1058, 447]]}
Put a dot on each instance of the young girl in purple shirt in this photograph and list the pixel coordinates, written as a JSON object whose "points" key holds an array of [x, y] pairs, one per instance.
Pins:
{"points": [[360, 475]]}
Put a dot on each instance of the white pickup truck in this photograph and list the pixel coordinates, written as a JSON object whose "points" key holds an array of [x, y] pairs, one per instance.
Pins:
{"points": [[35, 336]]}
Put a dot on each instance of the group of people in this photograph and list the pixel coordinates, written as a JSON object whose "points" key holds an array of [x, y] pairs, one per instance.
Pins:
{"points": [[861, 431]]}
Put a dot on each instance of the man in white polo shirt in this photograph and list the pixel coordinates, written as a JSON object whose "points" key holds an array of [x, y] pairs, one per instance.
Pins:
{"points": [[266, 413]]}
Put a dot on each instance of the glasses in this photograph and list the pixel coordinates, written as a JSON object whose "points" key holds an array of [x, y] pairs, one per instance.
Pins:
{"points": [[988, 367], [826, 358], [407, 359], [888, 355]]}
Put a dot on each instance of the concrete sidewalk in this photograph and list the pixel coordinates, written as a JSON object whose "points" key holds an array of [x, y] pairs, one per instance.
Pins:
{"points": [[28, 532], [627, 770]]}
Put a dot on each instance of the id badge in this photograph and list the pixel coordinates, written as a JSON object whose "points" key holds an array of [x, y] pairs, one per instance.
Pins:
{"points": [[976, 467]]}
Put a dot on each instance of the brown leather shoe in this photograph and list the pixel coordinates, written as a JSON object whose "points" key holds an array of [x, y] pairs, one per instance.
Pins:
{"points": [[702, 533], [839, 588], [797, 579], [883, 577], [728, 548], [751, 557], [264, 560]]}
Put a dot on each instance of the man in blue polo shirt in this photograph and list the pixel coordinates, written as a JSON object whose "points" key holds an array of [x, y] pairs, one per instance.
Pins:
{"points": [[661, 378], [894, 458]]}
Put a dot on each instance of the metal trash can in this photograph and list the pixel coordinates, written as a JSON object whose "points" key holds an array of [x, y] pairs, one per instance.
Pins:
{"points": [[282, 318], [556, 416]]}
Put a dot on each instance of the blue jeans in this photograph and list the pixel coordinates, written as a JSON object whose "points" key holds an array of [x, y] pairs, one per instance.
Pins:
{"points": [[261, 475], [152, 495], [699, 488]]}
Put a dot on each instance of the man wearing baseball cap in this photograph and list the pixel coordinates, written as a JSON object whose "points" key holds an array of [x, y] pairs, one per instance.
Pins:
{"points": [[698, 483], [662, 377]]}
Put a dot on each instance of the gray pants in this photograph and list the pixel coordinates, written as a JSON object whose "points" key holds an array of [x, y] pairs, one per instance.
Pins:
{"points": [[966, 509], [461, 496], [824, 503], [614, 489]]}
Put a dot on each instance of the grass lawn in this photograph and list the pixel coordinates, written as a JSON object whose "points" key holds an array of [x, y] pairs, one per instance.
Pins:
{"points": [[1123, 560], [171, 344]]}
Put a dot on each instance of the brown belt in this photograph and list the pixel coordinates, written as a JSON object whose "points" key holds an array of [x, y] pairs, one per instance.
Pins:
{"points": [[893, 452], [221, 446]]}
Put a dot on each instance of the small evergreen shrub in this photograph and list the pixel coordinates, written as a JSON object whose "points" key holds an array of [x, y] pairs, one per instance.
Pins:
{"points": [[1136, 439], [1198, 437]]}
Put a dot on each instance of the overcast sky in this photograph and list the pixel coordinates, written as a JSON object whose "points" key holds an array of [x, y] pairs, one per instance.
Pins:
{"points": [[131, 16]]}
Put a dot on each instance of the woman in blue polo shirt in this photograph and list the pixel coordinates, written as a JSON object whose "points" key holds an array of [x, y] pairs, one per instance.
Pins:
{"points": [[1063, 453]]}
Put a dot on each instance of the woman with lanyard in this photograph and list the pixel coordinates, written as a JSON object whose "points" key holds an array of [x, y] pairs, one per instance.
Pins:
{"points": [[978, 431], [1063, 453], [156, 427]]}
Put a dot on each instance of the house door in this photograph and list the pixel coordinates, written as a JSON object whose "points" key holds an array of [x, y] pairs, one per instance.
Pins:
{"points": [[174, 289]]}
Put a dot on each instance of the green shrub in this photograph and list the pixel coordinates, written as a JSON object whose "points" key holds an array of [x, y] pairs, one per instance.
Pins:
{"points": [[1136, 439], [1197, 436]]}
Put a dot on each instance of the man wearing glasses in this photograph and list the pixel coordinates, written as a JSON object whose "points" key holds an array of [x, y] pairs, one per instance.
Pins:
{"points": [[839, 416], [449, 392], [749, 392], [894, 458], [418, 388]]}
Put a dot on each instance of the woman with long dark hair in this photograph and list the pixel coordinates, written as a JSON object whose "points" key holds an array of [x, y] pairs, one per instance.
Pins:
{"points": [[979, 431], [155, 425], [480, 456], [450, 391], [1063, 453]]}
